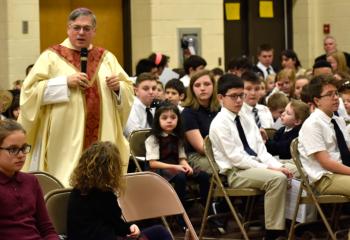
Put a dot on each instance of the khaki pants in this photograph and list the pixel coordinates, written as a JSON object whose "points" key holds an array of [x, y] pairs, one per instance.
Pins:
{"points": [[198, 161], [274, 183], [334, 184]]}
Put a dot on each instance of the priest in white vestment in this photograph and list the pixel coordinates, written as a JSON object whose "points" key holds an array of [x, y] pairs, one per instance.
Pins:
{"points": [[65, 110]]}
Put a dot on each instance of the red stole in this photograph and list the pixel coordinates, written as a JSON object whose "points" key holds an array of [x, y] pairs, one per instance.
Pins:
{"points": [[92, 95]]}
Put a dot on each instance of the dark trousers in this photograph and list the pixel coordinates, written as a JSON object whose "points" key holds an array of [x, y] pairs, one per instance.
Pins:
{"points": [[200, 177]]}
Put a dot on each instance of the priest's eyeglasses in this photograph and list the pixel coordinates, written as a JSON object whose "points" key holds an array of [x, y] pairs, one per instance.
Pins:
{"points": [[78, 28], [15, 150]]}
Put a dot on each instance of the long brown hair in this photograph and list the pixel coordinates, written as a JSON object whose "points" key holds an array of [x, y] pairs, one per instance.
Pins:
{"points": [[191, 100], [99, 167]]}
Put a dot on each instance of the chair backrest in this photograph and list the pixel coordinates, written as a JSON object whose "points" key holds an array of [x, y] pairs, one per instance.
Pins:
{"points": [[270, 132], [296, 159], [137, 142], [208, 150], [147, 195], [57, 206], [137, 145], [47, 182]]}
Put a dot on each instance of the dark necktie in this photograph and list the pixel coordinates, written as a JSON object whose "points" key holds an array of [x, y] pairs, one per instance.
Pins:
{"points": [[149, 117], [243, 138], [268, 70], [343, 148], [256, 117]]}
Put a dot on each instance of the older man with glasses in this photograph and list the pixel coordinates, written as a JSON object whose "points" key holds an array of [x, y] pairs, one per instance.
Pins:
{"points": [[75, 95]]}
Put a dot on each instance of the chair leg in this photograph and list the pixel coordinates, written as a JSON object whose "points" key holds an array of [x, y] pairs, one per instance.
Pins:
{"points": [[137, 164], [292, 225], [324, 219], [205, 214], [165, 222], [236, 217]]}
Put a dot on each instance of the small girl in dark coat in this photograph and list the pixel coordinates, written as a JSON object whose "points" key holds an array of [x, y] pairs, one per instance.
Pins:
{"points": [[292, 118]]}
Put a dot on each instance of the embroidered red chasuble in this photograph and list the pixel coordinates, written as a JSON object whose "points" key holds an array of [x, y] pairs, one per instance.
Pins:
{"points": [[92, 95]]}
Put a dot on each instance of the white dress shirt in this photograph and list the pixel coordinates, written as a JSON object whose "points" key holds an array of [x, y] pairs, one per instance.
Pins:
{"points": [[317, 134], [228, 148], [264, 114], [263, 69], [137, 118], [186, 80]]}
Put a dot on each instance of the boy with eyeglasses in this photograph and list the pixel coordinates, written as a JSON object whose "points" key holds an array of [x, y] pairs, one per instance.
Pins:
{"points": [[323, 140], [241, 154]]}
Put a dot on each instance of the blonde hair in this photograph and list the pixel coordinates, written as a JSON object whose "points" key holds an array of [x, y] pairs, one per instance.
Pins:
{"points": [[290, 74], [100, 167], [341, 61], [277, 101], [301, 110], [191, 100]]}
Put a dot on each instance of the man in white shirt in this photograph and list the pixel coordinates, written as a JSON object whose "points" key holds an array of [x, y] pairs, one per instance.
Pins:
{"points": [[265, 57], [323, 140], [192, 65], [241, 154]]}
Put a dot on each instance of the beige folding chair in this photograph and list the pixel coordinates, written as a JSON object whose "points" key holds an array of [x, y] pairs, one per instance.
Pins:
{"points": [[47, 182], [270, 132], [148, 195], [217, 189], [311, 196], [57, 206], [137, 145]]}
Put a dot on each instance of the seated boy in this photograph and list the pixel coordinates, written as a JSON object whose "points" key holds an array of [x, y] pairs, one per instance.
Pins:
{"points": [[192, 65], [276, 104], [241, 154], [323, 140], [257, 112], [175, 92], [292, 118], [141, 114]]}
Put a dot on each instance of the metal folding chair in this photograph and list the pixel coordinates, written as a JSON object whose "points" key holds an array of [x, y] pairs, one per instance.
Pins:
{"points": [[57, 206], [270, 132], [311, 196], [137, 146], [149, 195], [217, 189], [47, 181]]}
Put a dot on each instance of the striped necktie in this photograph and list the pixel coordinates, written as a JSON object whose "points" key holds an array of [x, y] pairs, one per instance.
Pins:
{"points": [[256, 117]]}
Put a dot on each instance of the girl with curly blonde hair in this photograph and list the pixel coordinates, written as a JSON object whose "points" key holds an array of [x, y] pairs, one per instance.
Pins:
{"points": [[93, 210]]}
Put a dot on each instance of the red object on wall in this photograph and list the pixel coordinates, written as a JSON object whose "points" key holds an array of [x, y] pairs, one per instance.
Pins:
{"points": [[326, 28]]}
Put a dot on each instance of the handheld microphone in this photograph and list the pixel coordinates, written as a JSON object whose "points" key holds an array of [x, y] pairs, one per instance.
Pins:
{"points": [[83, 59]]}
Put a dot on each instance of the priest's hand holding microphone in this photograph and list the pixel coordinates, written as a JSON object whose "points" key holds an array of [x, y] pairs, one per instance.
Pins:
{"points": [[81, 80]]}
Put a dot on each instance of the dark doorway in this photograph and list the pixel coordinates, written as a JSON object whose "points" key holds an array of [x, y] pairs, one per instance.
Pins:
{"points": [[244, 35]]}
